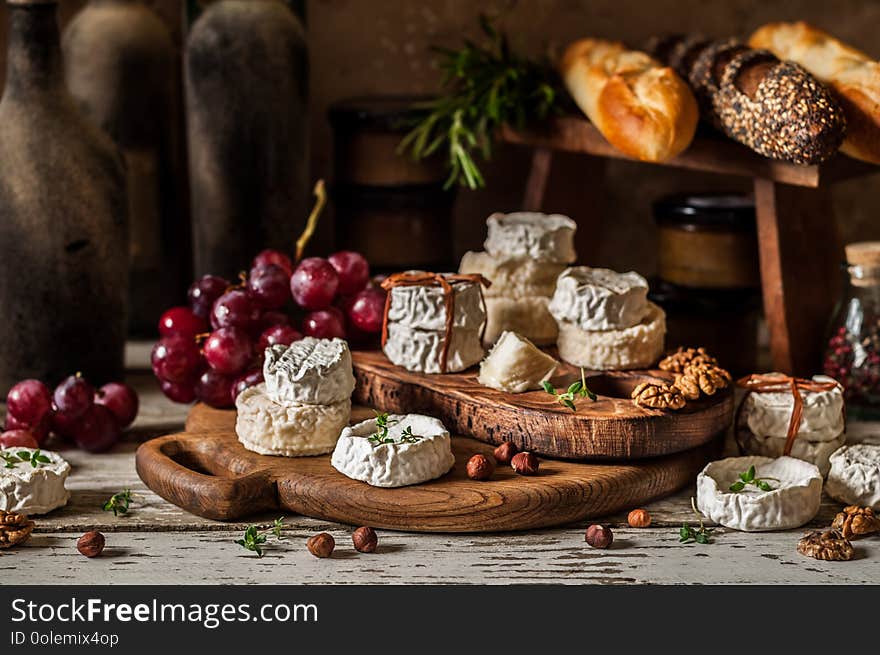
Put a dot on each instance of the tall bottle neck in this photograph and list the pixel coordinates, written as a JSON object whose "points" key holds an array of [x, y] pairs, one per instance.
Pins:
{"points": [[34, 51]]}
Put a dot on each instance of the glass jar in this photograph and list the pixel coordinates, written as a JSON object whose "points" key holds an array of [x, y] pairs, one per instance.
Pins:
{"points": [[852, 355]]}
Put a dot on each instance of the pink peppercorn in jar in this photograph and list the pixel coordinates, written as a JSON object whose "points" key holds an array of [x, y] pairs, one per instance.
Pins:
{"points": [[852, 355]]}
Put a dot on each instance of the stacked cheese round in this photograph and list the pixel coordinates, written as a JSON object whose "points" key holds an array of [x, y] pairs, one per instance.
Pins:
{"points": [[821, 431], [417, 327], [304, 403], [605, 319], [525, 252]]}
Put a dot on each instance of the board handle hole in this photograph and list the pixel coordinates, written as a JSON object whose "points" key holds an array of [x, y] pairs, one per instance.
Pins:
{"points": [[618, 385], [193, 460]]}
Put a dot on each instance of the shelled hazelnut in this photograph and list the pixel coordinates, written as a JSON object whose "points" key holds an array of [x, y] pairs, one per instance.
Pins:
{"points": [[639, 518], [365, 540], [505, 452], [598, 536], [525, 464], [480, 467], [321, 545], [91, 544]]}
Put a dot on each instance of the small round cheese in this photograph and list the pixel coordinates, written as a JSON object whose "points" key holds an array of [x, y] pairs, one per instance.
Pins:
{"points": [[30, 490], [639, 346], [794, 500], [291, 430], [768, 414], [395, 464], [526, 316], [814, 452], [420, 350], [424, 306], [309, 371], [512, 277], [544, 237], [854, 478], [599, 298]]}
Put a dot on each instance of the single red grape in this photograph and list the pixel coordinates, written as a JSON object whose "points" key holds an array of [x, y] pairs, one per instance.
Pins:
{"points": [[274, 258], [29, 401], [324, 324], [246, 380], [18, 439], [176, 359], [179, 392], [228, 350], [74, 396], [314, 283], [39, 430], [203, 293], [283, 334], [269, 286], [368, 309], [353, 270], [120, 399], [63, 425], [235, 309], [97, 430], [183, 321], [215, 389]]}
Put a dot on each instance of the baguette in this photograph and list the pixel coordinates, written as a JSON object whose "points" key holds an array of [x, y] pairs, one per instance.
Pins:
{"points": [[854, 77], [641, 107]]}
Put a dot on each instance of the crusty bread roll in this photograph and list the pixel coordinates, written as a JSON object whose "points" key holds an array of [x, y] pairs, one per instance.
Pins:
{"points": [[853, 75], [643, 108]]}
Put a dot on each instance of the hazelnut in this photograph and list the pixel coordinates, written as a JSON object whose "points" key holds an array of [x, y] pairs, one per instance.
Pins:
{"points": [[639, 518], [480, 467], [91, 544], [598, 536], [505, 452], [365, 540], [321, 545], [525, 463]]}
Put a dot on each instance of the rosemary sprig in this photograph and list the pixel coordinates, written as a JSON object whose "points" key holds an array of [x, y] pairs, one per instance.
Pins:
{"points": [[381, 435], [567, 398], [118, 503], [484, 87], [687, 534], [35, 458], [254, 539], [748, 477]]}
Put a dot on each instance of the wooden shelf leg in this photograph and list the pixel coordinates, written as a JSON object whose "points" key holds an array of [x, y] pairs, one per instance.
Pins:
{"points": [[800, 253], [536, 184]]}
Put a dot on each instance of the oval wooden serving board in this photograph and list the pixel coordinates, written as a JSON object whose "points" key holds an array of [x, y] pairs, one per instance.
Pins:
{"points": [[611, 427], [206, 471]]}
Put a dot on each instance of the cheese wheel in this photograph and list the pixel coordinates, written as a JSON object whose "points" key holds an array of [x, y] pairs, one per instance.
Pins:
{"points": [[420, 350], [599, 298], [33, 490], [512, 277], [309, 371], [527, 316], [768, 414], [854, 477], [424, 307], [543, 237]]}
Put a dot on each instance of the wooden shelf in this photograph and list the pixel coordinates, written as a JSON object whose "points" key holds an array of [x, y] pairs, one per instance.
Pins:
{"points": [[706, 153]]}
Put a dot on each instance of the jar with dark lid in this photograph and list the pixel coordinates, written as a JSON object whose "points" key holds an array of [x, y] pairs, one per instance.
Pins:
{"points": [[852, 355], [708, 241]]}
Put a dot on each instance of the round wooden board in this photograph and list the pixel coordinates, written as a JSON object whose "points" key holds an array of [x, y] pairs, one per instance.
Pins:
{"points": [[208, 472], [610, 427]]}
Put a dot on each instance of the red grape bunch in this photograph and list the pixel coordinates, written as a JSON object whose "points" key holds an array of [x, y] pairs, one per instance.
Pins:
{"points": [[75, 411], [213, 349]]}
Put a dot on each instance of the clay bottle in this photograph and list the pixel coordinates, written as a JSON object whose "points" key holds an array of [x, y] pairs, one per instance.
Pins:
{"points": [[122, 68], [63, 228], [246, 85]]}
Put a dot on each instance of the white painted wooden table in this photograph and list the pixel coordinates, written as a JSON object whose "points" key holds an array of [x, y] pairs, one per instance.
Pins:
{"points": [[157, 543]]}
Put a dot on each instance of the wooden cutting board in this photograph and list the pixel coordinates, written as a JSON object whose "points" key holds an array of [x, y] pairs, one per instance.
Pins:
{"points": [[206, 471], [611, 427]]}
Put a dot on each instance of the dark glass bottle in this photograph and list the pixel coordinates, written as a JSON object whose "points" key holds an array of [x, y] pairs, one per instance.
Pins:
{"points": [[246, 68], [121, 67], [63, 232]]}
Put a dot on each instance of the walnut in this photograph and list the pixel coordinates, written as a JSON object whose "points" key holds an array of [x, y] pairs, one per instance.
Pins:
{"points": [[709, 378], [855, 521], [657, 396], [828, 545], [688, 385], [14, 529], [677, 361]]}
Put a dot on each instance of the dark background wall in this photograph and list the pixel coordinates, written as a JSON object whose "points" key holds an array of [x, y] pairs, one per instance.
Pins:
{"points": [[382, 46]]}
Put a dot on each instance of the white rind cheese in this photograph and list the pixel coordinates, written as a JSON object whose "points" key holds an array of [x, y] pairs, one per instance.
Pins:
{"points": [[516, 365], [814, 452], [854, 478], [526, 316], [640, 346], [544, 237], [599, 298], [309, 371], [423, 307], [768, 414], [28, 490], [291, 430], [512, 277], [794, 500], [395, 464], [420, 350]]}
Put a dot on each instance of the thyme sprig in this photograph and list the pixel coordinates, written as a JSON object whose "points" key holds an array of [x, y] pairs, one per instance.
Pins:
{"points": [[119, 503], [35, 458], [254, 539], [381, 435], [577, 388], [749, 477], [687, 534]]}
